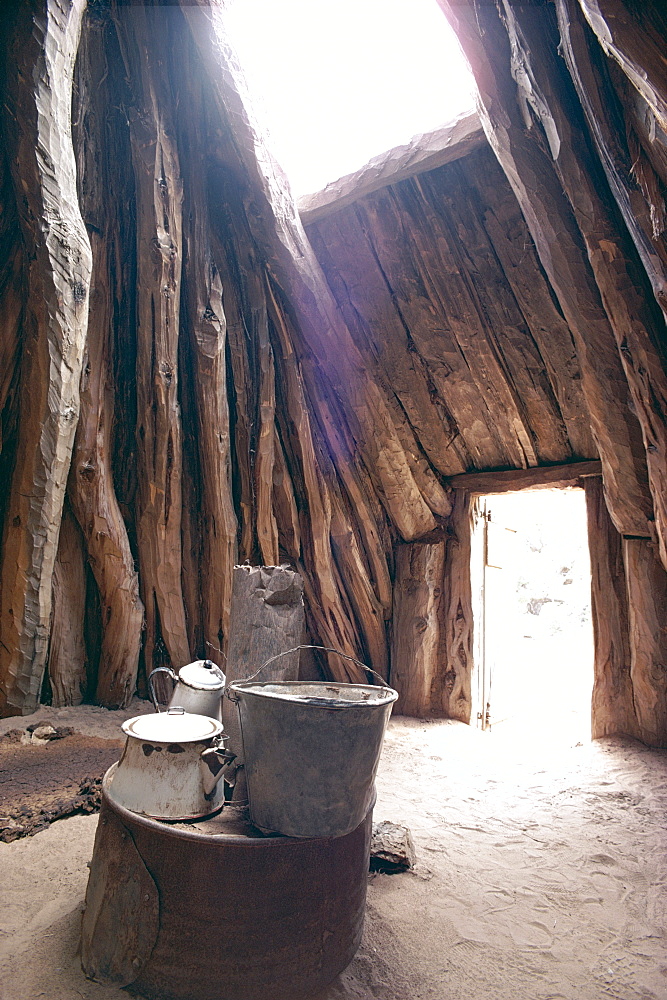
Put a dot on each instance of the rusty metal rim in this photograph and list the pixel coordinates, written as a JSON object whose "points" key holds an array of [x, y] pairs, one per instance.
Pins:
{"points": [[201, 838], [246, 687]]}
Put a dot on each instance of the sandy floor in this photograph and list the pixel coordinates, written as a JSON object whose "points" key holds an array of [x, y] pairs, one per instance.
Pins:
{"points": [[541, 876]]}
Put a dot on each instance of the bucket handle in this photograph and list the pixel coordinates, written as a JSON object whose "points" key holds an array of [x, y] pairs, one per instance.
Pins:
{"points": [[327, 649]]}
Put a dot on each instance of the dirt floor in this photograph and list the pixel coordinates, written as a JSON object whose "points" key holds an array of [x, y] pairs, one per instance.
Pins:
{"points": [[540, 876]]}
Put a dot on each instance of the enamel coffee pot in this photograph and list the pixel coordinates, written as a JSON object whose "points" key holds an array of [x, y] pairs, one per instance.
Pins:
{"points": [[198, 688]]}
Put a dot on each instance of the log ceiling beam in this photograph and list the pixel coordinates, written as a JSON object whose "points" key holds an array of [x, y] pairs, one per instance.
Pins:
{"points": [[511, 480]]}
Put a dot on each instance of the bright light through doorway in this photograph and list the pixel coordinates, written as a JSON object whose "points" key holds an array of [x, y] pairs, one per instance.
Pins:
{"points": [[534, 615], [335, 84]]}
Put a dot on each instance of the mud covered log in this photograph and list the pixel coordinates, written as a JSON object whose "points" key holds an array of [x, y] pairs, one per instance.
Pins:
{"points": [[38, 120], [145, 41], [418, 630], [612, 709]]}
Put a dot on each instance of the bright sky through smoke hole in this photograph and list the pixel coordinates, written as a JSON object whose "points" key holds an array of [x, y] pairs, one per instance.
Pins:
{"points": [[335, 83]]}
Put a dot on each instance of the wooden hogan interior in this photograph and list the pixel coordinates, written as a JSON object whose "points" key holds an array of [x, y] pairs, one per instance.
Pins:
{"points": [[195, 372]]}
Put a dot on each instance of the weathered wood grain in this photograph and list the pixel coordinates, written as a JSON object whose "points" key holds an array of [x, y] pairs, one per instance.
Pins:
{"points": [[529, 166], [418, 655], [43, 49], [90, 487], [159, 249], [647, 613], [508, 481], [612, 707], [67, 651], [206, 327]]}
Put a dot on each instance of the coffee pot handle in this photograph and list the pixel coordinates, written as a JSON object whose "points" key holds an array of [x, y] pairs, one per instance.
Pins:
{"points": [[151, 686]]}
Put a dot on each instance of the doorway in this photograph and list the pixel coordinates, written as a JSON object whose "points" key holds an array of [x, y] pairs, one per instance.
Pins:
{"points": [[532, 613]]}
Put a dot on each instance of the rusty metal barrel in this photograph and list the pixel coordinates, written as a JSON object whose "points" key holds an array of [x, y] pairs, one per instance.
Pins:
{"points": [[216, 911]]}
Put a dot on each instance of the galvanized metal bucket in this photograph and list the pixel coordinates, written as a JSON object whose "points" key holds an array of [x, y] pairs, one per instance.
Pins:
{"points": [[311, 752]]}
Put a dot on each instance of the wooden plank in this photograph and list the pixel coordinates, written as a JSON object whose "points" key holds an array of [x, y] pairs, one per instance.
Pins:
{"points": [[510, 480], [520, 362], [42, 52]]}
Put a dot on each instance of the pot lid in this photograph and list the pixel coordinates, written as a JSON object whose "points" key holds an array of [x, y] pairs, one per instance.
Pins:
{"points": [[174, 726], [202, 674]]}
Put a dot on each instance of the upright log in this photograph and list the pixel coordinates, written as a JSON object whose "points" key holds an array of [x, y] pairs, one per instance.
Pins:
{"points": [[456, 679], [208, 338], [67, 652], [418, 657], [529, 165], [647, 603], [145, 41], [612, 707], [43, 50], [91, 488]]}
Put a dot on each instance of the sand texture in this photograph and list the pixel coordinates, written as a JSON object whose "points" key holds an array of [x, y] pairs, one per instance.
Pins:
{"points": [[540, 875]]}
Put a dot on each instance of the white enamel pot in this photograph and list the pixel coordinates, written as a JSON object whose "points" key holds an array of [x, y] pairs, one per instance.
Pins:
{"points": [[172, 765], [198, 688]]}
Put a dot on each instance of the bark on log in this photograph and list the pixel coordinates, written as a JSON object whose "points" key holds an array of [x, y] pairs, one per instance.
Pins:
{"points": [[612, 708], [418, 657], [67, 652], [159, 197], [43, 49], [647, 602]]}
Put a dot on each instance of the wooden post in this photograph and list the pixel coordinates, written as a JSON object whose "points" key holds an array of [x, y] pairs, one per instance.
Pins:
{"points": [[647, 602], [612, 709], [457, 678], [418, 648]]}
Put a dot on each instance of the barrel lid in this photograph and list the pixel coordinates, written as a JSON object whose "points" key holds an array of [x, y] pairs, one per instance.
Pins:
{"points": [[173, 726], [202, 674]]}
